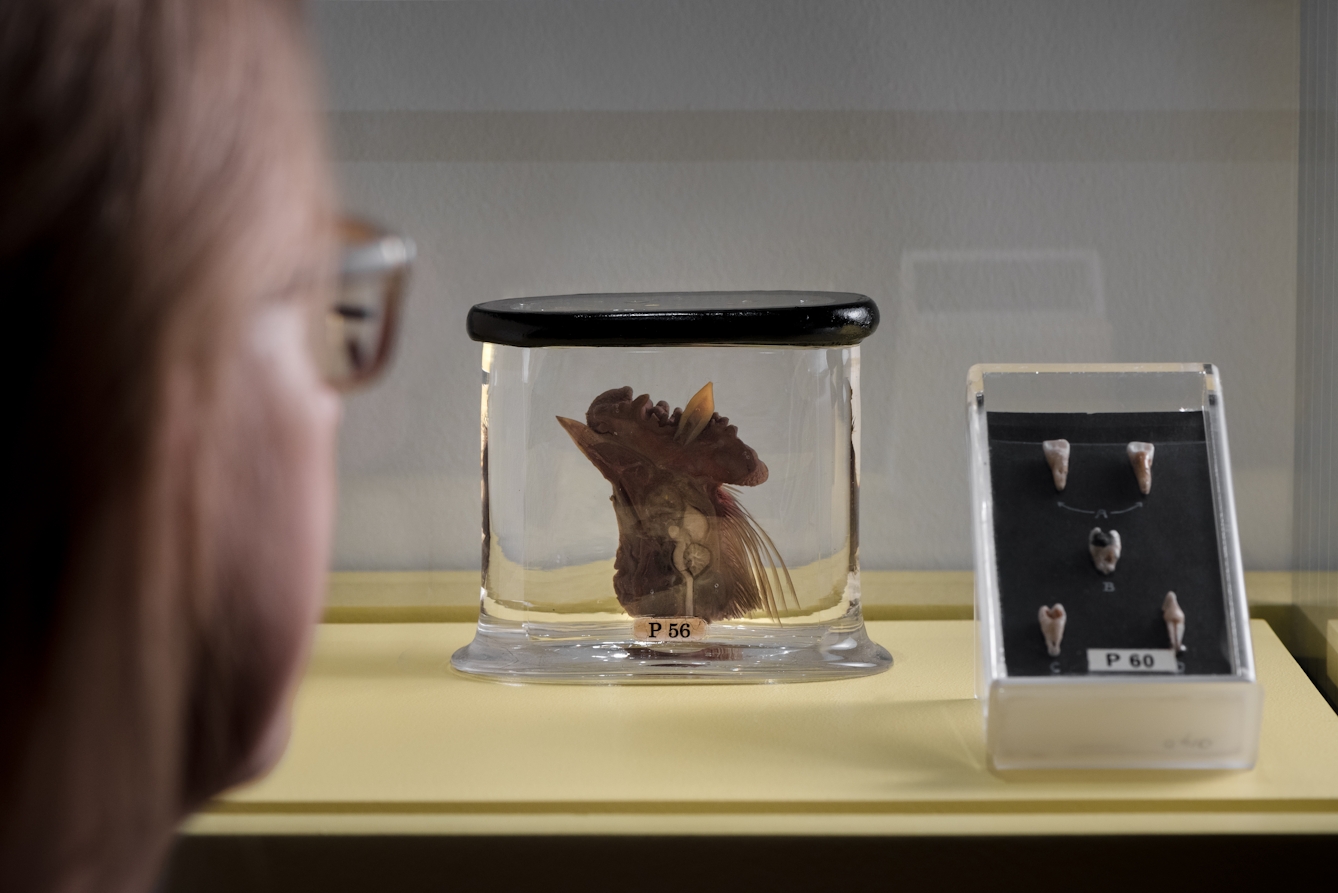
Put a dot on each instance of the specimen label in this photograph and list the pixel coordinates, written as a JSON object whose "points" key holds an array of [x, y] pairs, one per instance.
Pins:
{"points": [[1131, 660], [670, 629]]}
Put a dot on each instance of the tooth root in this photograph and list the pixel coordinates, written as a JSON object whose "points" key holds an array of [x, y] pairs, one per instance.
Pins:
{"points": [[1052, 626], [695, 415], [1057, 457], [1104, 549], [1174, 616], [1140, 457]]}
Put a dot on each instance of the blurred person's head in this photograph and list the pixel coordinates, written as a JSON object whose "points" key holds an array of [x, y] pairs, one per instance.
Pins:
{"points": [[165, 230]]}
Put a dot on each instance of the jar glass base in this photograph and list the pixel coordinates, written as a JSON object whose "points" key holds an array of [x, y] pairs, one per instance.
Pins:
{"points": [[511, 652]]}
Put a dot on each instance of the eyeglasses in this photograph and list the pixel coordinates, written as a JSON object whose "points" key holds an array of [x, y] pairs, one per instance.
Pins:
{"points": [[356, 336]]}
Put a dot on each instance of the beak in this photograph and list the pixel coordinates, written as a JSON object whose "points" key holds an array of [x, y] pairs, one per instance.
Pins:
{"points": [[695, 416], [580, 435], [623, 467]]}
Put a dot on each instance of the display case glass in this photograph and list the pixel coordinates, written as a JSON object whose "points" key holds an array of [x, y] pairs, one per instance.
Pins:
{"points": [[1113, 628], [1168, 194]]}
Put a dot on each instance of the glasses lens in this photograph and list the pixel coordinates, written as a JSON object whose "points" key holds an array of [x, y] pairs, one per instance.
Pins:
{"points": [[355, 328], [359, 327]]}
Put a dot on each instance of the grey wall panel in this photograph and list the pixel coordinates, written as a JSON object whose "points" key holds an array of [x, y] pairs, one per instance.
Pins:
{"points": [[619, 55], [1116, 183]]}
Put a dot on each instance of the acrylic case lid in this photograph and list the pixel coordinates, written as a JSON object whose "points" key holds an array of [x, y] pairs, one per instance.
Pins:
{"points": [[1047, 703]]}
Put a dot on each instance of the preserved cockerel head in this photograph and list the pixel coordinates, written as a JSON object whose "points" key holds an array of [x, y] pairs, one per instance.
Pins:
{"points": [[686, 547]]}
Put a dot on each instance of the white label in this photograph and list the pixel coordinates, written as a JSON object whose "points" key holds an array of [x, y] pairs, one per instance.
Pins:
{"points": [[1131, 660], [668, 629]]}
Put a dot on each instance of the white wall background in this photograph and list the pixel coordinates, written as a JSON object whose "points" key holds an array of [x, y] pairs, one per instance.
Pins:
{"points": [[1010, 181]]}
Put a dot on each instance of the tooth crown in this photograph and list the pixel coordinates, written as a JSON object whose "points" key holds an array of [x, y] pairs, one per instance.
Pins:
{"points": [[1174, 616], [1052, 621], [1104, 549], [695, 415], [1057, 457], [1140, 457]]}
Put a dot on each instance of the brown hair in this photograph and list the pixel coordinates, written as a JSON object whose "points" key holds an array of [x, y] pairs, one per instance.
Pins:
{"points": [[140, 140]]}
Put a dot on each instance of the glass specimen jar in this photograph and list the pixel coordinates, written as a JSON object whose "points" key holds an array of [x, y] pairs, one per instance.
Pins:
{"points": [[670, 488]]}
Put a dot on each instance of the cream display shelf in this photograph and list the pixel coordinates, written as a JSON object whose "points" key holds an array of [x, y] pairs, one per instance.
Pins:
{"points": [[388, 740]]}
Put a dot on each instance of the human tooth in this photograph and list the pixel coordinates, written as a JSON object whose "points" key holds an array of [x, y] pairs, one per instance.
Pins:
{"points": [[1140, 457], [1052, 627], [1175, 621], [1057, 457], [695, 415], [1104, 549]]}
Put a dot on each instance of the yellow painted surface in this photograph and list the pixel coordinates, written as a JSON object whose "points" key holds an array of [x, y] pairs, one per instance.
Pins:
{"points": [[1270, 587], [402, 597], [389, 740]]}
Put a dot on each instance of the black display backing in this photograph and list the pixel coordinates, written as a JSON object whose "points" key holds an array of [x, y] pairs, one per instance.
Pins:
{"points": [[1169, 538]]}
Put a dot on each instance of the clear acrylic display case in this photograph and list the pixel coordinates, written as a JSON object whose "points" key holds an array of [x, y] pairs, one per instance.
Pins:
{"points": [[1113, 630], [670, 488]]}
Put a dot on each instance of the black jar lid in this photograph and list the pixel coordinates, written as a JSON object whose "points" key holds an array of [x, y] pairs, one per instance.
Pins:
{"points": [[802, 318]]}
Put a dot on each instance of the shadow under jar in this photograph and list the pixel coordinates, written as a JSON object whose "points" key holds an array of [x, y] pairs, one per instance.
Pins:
{"points": [[670, 488]]}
